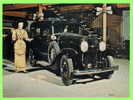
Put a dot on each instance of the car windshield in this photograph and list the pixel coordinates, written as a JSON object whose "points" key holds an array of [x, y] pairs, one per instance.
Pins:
{"points": [[60, 27]]}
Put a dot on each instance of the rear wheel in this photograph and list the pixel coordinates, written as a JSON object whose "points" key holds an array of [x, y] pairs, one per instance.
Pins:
{"points": [[66, 70], [32, 59]]}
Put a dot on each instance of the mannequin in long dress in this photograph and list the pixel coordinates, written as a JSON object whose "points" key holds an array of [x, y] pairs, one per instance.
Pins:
{"points": [[19, 35]]}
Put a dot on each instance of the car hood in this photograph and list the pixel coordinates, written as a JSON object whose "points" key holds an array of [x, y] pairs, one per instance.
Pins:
{"points": [[73, 39], [72, 35]]}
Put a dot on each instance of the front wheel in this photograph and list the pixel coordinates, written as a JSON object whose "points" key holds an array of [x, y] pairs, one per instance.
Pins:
{"points": [[66, 70], [109, 62]]}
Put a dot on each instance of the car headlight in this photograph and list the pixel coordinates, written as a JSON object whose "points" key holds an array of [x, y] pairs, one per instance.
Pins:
{"points": [[102, 46], [84, 46], [53, 37]]}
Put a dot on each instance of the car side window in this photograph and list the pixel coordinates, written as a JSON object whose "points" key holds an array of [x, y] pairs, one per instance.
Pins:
{"points": [[34, 30]]}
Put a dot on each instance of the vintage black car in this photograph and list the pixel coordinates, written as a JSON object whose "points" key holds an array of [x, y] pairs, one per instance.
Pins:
{"points": [[7, 44], [75, 50]]}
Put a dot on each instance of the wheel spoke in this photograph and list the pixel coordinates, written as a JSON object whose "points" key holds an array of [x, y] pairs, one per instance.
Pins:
{"points": [[66, 66]]}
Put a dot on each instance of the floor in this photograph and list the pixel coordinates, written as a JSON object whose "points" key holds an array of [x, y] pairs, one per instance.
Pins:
{"points": [[40, 82]]}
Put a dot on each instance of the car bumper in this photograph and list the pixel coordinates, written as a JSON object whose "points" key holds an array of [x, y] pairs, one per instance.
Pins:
{"points": [[95, 71]]}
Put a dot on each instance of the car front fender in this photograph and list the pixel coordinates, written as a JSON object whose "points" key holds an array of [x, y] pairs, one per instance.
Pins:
{"points": [[66, 51]]}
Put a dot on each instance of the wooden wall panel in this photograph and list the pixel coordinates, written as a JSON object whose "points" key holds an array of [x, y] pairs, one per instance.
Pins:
{"points": [[15, 14], [113, 27]]}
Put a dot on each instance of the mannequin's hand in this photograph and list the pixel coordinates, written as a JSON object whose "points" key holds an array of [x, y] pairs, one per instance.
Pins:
{"points": [[30, 39]]}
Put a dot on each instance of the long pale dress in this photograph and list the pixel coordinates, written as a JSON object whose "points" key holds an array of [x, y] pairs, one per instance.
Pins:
{"points": [[19, 35]]}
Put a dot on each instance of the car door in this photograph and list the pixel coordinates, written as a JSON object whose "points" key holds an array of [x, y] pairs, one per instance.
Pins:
{"points": [[36, 44], [45, 31], [7, 44]]}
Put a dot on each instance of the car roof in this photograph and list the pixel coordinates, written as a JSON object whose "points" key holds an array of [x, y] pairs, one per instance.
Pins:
{"points": [[55, 21]]}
